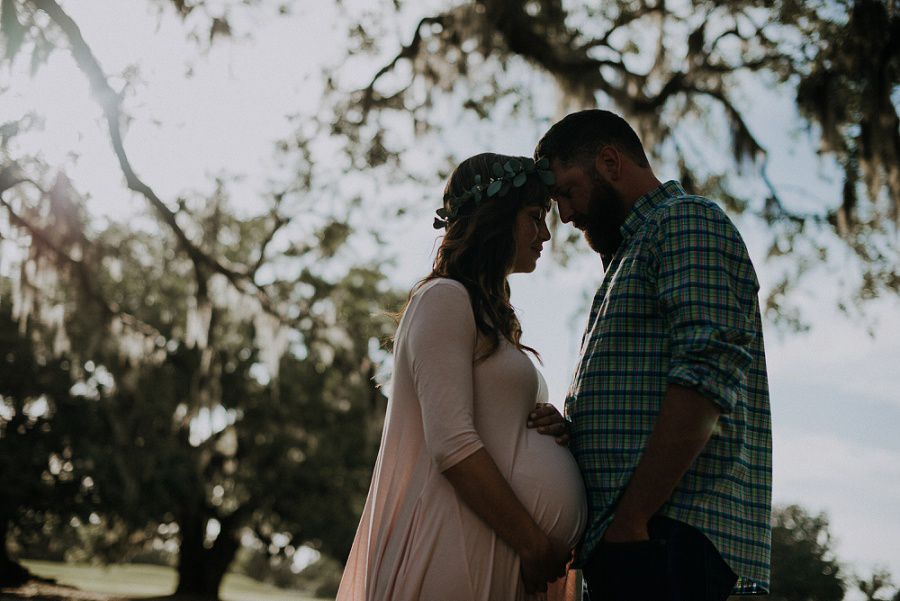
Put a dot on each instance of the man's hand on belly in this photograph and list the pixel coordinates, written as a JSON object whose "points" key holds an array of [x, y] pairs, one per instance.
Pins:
{"points": [[547, 420]]}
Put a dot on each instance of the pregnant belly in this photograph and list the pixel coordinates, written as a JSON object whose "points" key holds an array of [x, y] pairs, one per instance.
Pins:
{"points": [[546, 479]]}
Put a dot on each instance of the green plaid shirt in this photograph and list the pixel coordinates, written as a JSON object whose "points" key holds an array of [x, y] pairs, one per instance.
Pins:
{"points": [[678, 305]]}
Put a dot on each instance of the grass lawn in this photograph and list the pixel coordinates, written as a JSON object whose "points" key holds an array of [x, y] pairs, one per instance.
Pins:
{"points": [[148, 581]]}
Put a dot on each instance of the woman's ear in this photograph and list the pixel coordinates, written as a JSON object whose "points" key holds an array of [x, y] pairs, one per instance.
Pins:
{"points": [[609, 163]]}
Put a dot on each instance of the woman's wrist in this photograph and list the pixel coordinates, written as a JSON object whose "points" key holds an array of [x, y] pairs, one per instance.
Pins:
{"points": [[534, 542]]}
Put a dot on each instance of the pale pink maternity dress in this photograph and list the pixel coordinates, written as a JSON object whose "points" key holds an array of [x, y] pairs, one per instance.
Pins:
{"points": [[417, 540]]}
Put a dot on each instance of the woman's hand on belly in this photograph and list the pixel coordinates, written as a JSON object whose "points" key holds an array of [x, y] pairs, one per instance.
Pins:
{"points": [[483, 488], [544, 564], [547, 420]]}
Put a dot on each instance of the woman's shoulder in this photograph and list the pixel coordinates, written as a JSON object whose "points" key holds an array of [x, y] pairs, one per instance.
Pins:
{"points": [[442, 287], [439, 298], [438, 306]]}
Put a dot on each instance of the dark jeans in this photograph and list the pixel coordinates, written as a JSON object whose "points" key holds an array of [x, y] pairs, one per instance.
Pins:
{"points": [[678, 563]]}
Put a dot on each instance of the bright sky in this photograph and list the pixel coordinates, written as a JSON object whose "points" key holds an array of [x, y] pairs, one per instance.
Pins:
{"points": [[835, 391]]}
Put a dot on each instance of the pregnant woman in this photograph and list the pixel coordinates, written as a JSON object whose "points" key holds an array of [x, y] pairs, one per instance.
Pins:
{"points": [[466, 503]]}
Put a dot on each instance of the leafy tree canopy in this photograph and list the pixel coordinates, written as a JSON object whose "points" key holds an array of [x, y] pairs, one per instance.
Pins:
{"points": [[804, 567], [224, 352], [687, 75]]}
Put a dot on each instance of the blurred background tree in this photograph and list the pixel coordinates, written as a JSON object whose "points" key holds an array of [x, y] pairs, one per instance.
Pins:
{"points": [[877, 587], [686, 75], [200, 378], [223, 357], [804, 567], [210, 415], [37, 476]]}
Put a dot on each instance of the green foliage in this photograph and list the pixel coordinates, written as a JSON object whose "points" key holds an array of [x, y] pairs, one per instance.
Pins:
{"points": [[319, 579], [325, 575], [38, 472], [290, 459], [803, 564], [217, 407], [677, 72], [11, 28], [874, 587], [846, 90]]}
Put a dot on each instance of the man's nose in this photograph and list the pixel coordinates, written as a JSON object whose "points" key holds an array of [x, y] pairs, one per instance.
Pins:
{"points": [[565, 211]]}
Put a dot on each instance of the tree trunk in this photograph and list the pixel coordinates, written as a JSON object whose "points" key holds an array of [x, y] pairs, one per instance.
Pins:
{"points": [[201, 569], [12, 573]]}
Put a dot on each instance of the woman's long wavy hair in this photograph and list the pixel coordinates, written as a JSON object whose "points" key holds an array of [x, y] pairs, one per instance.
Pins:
{"points": [[479, 248]]}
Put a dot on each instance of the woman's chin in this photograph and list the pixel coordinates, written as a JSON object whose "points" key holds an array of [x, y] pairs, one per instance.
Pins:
{"points": [[525, 268]]}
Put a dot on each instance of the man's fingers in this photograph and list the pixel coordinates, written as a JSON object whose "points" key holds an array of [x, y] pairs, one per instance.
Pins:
{"points": [[557, 430], [544, 412], [547, 421]]}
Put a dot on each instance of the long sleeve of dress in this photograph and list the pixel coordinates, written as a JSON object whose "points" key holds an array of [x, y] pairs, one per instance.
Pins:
{"points": [[441, 339]]}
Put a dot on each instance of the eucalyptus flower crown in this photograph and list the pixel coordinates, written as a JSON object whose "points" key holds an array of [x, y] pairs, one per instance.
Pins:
{"points": [[511, 174]]}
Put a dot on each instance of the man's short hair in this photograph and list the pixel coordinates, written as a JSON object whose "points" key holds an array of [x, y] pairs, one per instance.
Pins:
{"points": [[579, 137]]}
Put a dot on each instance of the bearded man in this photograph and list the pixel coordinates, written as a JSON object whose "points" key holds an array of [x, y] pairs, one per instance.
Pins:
{"points": [[668, 411]]}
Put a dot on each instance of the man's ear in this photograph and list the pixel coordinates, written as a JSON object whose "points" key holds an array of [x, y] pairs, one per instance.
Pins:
{"points": [[609, 163]]}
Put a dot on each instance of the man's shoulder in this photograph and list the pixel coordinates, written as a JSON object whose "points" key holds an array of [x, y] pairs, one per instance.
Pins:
{"points": [[691, 211], [687, 204]]}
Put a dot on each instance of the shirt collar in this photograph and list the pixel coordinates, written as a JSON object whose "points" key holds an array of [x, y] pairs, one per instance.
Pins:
{"points": [[646, 205]]}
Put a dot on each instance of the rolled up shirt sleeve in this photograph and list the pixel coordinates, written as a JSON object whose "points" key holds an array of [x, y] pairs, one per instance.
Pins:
{"points": [[442, 339], [707, 291]]}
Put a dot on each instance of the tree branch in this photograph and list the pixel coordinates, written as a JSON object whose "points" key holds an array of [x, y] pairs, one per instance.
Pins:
{"points": [[82, 271], [109, 102], [407, 52]]}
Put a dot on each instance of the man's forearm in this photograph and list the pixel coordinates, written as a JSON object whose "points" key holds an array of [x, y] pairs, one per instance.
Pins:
{"points": [[686, 421]]}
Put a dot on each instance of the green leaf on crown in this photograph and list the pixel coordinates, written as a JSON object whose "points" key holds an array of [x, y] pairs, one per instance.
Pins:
{"points": [[512, 165]]}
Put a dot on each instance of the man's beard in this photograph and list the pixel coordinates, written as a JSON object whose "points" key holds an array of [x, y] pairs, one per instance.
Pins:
{"points": [[606, 213]]}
